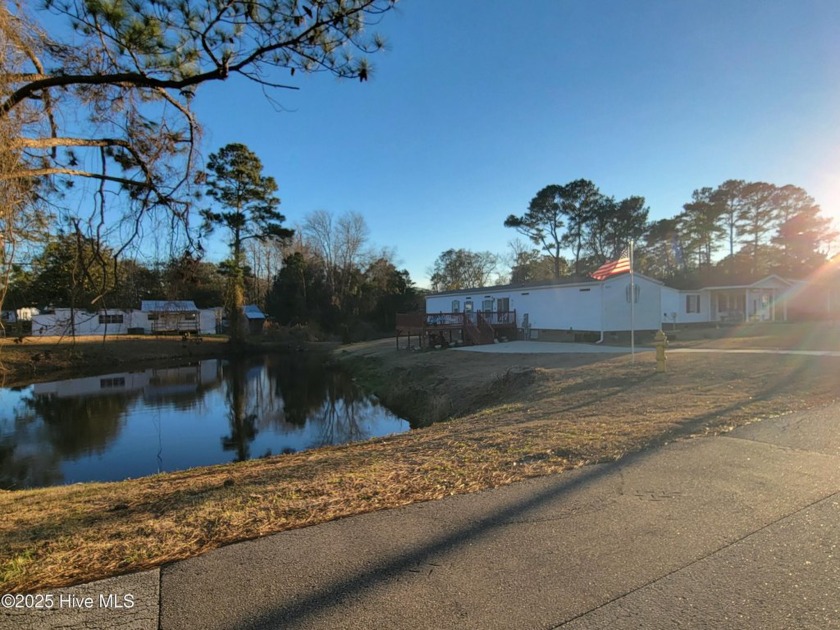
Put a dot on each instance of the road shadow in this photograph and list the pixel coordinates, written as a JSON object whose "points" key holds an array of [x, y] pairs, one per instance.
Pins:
{"points": [[338, 591]]}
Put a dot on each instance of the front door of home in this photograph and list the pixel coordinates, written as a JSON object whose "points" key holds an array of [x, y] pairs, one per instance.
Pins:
{"points": [[468, 310]]}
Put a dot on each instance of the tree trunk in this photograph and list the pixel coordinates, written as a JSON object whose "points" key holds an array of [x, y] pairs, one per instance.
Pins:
{"points": [[236, 317]]}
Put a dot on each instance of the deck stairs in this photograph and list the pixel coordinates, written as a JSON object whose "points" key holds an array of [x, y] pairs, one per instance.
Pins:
{"points": [[479, 332]]}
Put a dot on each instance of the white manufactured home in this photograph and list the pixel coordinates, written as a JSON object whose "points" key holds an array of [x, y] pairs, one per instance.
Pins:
{"points": [[151, 318], [557, 309], [568, 310]]}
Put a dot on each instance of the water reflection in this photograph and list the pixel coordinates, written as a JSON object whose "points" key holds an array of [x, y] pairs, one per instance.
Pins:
{"points": [[138, 423]]}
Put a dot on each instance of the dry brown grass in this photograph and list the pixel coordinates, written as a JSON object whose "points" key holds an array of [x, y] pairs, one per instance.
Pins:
{"points": [[540, 415], [770, 335]]}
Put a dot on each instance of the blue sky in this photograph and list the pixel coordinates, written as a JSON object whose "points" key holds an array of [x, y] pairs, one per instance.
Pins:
{"points": [[478, 104]]}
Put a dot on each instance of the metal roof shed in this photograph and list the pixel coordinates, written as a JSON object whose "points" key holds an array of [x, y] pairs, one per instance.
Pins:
{"points": [[255, 317]]}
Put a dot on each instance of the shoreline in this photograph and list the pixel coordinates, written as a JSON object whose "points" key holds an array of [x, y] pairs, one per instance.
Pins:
{"points": [[46, 359]]}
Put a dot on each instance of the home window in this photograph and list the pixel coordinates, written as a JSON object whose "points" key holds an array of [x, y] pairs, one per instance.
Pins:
{"points": [[487, 305], [692, 303], [110, 383], [456, 306], [110, 319]]}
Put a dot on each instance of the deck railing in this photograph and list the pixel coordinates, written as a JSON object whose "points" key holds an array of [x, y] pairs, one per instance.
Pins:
{"points": [[478, 327], [445, 319], [495, 318], [500, 318]]}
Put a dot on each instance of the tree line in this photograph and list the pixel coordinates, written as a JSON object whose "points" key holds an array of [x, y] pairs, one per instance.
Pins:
{"points": [[737, 232], [325, 275], [100, 109]]}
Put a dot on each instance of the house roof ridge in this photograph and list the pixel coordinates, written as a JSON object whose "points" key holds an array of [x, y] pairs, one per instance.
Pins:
{"points": [[540, 284]]}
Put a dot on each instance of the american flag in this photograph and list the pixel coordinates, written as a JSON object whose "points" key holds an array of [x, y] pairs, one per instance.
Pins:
{"points": [[613, 267]]}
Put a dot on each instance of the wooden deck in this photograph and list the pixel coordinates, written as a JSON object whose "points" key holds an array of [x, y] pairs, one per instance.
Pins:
{"points": [[475, 328]]}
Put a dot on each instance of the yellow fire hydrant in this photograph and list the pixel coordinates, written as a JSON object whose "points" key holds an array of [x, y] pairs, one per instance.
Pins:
{"points": [[660, 340]]}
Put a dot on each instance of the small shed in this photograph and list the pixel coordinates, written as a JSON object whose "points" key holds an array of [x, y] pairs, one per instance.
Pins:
{"points": [[171, 316], [255, 318]]}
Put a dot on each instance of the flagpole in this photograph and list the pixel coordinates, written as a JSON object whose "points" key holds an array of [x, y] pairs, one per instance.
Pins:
{"points": [[632, 308]]}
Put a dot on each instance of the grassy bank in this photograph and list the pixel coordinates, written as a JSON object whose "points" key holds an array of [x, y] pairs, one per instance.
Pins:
{"points": [[52, 358], [41, 358], [510, 417]]}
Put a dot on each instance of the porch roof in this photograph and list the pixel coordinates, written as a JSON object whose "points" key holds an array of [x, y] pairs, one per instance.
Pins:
{"points": [[168, 306], [755, 285]]}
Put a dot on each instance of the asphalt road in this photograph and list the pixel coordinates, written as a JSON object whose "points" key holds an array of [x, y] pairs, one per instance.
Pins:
{"points": [[736, 531]]}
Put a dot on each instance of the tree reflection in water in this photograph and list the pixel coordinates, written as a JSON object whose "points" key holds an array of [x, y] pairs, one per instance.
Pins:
{"points": [[277, 391], [52, 429], [132, 424], [241, 415]]}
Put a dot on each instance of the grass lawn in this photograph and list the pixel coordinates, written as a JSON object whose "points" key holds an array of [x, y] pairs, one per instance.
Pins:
{"points": [[515, 416], [770, 335]]}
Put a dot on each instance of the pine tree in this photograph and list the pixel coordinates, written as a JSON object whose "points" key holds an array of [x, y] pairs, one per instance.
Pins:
{"points": [[236, 182]]}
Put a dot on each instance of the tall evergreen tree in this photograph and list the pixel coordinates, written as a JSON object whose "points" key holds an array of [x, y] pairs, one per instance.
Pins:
{"points": [[612, 225], [543, 223], [803, 234], [580, 199], [661, 254], [757, 218], [701, 218], [236, 182], [103, 90], [729, 199]]}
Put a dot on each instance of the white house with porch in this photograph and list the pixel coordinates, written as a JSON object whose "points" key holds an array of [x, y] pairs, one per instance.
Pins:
{"points": [[765, 300], [771, 299], [560, 309]]}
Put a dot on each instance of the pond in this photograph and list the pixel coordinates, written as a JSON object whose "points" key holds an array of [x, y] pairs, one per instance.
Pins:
{"points": [[131, 424]]}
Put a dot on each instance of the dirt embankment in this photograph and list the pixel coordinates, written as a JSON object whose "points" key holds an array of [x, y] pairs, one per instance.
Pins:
{"points": [[430, 387], [699, 393]]}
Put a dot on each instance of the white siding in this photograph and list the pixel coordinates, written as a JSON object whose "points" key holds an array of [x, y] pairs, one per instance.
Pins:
{"points": [[589, 306], [208, 318], [684, 317], [647, 313], [572, 307], [442, 303], [670, 305], [578, 307], [552, 308], [58, 323]]}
